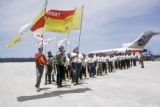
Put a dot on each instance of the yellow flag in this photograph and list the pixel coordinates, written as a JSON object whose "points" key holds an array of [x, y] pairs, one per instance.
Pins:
{"points": [[77, 19], [13, 41], [56, 25], [59, 21], [63, 21]]}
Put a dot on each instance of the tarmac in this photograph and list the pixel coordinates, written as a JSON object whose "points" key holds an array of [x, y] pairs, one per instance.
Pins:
{"points": [[133, 87]]}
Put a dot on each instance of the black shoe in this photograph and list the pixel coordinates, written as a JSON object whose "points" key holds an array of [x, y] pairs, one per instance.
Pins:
{"points": [[76, 82], [36, 86], [59, 86], [38, 89]]}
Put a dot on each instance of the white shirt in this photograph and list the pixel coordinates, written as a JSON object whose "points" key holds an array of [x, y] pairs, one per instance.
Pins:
{"points": [[77, 59], [90, 60]]}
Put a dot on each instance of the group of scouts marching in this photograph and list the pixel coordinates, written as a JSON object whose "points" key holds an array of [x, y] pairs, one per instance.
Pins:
{"points": [[76, 66]]}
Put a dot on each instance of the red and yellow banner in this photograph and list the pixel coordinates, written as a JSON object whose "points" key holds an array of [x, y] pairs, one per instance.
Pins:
{"points": [[59, 21], [59, 14]]}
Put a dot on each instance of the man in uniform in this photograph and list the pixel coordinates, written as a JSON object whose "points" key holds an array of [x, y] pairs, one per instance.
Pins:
{"points": [[49, 67], [60, 61]]}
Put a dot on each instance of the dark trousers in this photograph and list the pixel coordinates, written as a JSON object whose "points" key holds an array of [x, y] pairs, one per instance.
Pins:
{"points": [[54, 73], [91, 69], [65, 74], [110, 67], [104, 67], [39, 73], [116, 64], [123, 65], [60, 73], [127, 63], [76, 69], [48, 74], [83, 72], [134, 62]]}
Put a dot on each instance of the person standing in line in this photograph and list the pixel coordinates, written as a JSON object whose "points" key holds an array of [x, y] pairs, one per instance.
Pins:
{"points": [[110, 66], [104, 69], [99, 69], [40, 60], [141, 60], [49, 67], [134, 59], [83, 68], [91, 66], [60, 61], [116, 61], [120, 61]]}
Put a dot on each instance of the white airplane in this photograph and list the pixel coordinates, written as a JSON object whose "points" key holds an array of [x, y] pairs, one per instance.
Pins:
{"points": [[135, 46]]}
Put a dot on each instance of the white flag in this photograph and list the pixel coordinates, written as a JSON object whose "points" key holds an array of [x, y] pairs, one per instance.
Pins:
{"points": [[63, 42]]}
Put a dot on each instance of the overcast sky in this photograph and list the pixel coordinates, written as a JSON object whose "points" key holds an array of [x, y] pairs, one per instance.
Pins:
{"points": [[106, 24]]}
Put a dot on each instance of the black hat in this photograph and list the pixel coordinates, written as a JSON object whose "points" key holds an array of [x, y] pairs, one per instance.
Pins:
{"points": [[49, 52], [76, 49]]}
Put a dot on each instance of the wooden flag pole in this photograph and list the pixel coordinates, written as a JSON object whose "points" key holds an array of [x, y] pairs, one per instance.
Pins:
{"points": [[80, 28], [55, 45], [66, 42], [45, 8], [70, 48]]}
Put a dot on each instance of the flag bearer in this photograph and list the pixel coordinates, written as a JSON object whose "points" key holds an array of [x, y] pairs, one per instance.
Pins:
{"points": [[40, 60]]}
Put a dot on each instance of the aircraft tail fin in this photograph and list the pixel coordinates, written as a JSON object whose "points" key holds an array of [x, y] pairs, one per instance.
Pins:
{"points": [[142, 40]]}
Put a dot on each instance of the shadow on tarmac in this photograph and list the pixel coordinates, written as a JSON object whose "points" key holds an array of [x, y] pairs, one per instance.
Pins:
{"points": [[51, 94]]}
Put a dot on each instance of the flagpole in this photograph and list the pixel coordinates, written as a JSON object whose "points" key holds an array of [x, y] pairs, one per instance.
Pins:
{"points": [[45, 7], [70, 44], [80, 28], [67, 41], [56, 45]]}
